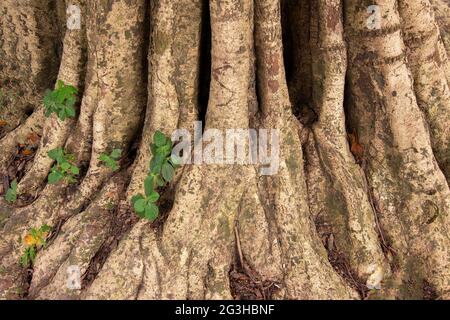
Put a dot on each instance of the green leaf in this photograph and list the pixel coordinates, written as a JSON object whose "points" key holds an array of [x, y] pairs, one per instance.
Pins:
{"points": [[104, 158], [139, 205], [74, 170], [116, 154], [153, 197], [61, 101], [160, 181], [169, 144], [155, 166], [70, 111], [151, 212], [56, 154], [148, 185], [164, 151], [55, 177], [24, 260], [45, 228], [32, 254], [59, 84], [154, 149], [62, 114], [11, 194], [167, 172], [136, 198], [159, 139], [65, 166]]}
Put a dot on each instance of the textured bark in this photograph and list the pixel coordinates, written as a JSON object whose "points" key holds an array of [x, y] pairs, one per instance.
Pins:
{"points": [[409, 189], [29, 58], [359, 207]]}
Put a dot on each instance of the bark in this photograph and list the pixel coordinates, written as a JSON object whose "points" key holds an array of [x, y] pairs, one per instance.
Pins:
{"points": [[29, 57], [409, 189], [359, 206]]}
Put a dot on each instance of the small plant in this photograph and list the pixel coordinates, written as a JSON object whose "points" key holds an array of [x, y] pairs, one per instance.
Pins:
{"points": [[64, 169], [162, 170], [61, 101], [11, 194], [111, 160], [34, 240]]}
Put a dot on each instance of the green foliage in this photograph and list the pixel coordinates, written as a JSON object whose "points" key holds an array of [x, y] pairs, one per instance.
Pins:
{"points": [[28, 257], [111, 160], [161, 171], [64, 169], [61, 101], [34, 240], [11, 194]]}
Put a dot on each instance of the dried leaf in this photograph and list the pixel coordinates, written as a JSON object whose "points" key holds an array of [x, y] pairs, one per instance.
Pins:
{"points": [[27, 152], [355, 147]]}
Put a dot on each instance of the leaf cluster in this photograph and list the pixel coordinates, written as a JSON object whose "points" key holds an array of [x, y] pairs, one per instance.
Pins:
{"points": [[61, 101], [111, 160], [161, 171], [64, 169], [34, 240]]}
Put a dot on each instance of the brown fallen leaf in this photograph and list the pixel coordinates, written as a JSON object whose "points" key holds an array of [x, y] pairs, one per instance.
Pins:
{"points": [[3, 123], [355, 147], [27, 152]]}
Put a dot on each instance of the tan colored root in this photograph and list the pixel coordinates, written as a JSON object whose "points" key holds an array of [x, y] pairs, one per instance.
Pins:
{"points": [[197, 241], [306, 269], [336, 184], [77, 243], [17, 225], [409, 188], [422, 38], [9, 143], [257, 235], [28, 63], [116, 117], [173, 77], [442, 15], [120, 103], [56, 131]]}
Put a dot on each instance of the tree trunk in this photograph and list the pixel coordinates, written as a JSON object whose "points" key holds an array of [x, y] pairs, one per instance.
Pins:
{"points": [[358, 96]]}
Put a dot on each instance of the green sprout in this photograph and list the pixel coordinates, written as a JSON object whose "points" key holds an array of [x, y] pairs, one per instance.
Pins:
{"points": [[111, 160], [64, 169], [61, 101], [162, 171], [34, 240], [11, 194]]}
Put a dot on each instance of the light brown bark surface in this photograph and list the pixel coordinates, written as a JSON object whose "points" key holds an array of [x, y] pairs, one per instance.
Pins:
{"points": [[358, 209]]}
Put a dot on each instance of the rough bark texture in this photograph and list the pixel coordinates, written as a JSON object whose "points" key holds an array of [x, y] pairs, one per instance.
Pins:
{"points": [[359, 207]]}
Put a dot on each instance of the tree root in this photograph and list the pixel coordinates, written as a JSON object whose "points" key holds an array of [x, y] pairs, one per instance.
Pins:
{"points": [[334, 221]]}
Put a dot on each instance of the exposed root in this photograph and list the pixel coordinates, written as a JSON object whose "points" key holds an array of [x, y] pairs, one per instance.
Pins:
{"points": [[431, 85], [408, 185], [332, 221], [336, 187], [78, 242], [55, 131]]}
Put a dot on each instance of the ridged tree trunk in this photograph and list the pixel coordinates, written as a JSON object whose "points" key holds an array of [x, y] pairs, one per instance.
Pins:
{"points": [[29, 48], [358, 92]]}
